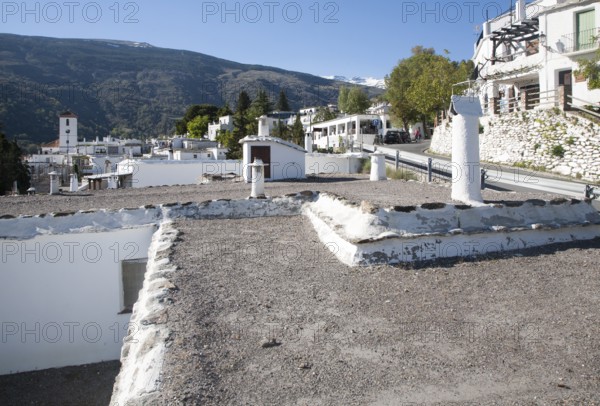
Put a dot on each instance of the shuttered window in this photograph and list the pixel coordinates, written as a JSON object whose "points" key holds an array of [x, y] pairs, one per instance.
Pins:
{"points": [[586, 29]]}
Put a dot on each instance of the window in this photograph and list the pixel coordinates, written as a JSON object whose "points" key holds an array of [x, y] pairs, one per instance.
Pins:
{"points": [[68, 122], [132, 279], [585, 34]]}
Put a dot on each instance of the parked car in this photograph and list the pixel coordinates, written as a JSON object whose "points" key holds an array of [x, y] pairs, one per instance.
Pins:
{"points": [[404, 137], [392, 137], [396, 137]]}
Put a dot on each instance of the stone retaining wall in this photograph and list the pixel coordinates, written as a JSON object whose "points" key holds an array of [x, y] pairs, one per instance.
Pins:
{"points": [[548, 140]]}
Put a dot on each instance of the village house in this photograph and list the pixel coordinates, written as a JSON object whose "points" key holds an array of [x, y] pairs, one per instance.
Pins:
{"points": [[352, 131], [528, 58], [225, 124]]}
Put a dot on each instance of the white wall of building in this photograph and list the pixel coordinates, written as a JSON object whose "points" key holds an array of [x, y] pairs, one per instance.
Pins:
{"points": [[161, 172], [330, 164], [60, 298], [182, 155], [286, 162], [225, 124], [556, 26]]}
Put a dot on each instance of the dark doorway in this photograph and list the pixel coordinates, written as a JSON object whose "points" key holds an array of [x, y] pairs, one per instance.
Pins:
{"points": [[565, 78], [263, 153]]}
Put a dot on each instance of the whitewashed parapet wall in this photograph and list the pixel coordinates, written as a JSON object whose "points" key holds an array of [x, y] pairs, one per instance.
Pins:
{"points": [[536, 139]]}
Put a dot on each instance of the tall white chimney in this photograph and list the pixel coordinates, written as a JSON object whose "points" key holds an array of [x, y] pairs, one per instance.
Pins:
{"points": [[263, 126], [521, 11]]}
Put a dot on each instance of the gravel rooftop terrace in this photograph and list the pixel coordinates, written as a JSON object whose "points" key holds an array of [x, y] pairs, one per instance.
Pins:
{"points": [[265, 315]]}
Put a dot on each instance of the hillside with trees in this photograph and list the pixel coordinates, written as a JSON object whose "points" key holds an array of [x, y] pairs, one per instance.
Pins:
{"points": [[130, 89]]}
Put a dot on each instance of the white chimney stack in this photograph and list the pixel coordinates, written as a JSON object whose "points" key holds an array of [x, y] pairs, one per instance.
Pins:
{"points": [[263, 126], [521, 11]]}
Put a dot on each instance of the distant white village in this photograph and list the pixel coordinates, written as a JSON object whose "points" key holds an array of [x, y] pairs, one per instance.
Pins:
{"points": [[111, 162]]}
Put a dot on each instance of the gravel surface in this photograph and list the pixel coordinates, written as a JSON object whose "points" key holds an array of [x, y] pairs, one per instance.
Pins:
{"points": [[265, 315], [356, 188]]}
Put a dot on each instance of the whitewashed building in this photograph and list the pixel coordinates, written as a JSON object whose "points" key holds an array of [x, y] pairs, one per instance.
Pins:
{"points": [[225, 124], [528, 57], [283, 160], [350, 131]]}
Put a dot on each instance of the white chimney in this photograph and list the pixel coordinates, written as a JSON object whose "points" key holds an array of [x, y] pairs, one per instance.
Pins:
{"points": [[521, 11], [263, 126], [487, 29]]}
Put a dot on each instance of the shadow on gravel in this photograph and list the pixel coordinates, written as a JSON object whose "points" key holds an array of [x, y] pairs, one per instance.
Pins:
{"points": [[526, 252], [80, 385]]}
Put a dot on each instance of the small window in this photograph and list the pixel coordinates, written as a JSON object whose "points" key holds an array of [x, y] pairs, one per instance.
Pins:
{"points": [[195, 156], [68, 122], [132, 277]]}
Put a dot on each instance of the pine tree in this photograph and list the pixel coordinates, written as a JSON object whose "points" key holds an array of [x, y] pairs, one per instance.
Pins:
{"points": [[12, 168], [282, 103], [259, 107], [225, 111], [298, 131], [240, 127]]}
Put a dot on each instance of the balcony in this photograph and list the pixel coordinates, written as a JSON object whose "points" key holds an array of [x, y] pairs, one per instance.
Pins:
{"points": [[578, 42]]}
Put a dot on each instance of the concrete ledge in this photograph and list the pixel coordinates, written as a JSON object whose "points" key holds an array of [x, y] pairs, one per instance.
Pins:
{"points": [[144, 346], [432, 231]]}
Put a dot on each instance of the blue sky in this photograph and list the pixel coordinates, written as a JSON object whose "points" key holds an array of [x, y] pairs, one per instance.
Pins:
{"points": [[344, 37]]}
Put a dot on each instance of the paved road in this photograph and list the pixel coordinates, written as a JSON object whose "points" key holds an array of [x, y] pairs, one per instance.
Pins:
{"points": [[503, 177]]}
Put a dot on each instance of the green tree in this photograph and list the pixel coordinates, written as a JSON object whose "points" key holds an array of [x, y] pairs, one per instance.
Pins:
{"points": [[343, 99], [228, 140], [12, 168], [231, 140], [282, 102], [297, 131], [421, 85], [225, 110], [261, 105], [357, 102], [194, 111], [590, 70], [282, 130], [323, 114], [198, 126], [397, 83]]}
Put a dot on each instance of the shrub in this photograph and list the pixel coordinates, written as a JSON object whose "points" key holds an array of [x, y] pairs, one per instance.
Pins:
{"points": [[365, 165], [558, 151], [401, 174]]}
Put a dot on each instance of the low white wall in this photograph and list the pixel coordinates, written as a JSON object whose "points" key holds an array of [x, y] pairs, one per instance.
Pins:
{"points": [[333, 164], [159, 173], [60, 297]]}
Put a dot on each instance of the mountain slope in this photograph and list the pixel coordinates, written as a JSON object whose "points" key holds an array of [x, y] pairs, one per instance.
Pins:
{"points": [[127, 87]]}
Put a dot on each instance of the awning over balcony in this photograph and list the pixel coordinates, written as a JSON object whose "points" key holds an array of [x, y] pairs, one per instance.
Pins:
{"points": [[526, 30]]}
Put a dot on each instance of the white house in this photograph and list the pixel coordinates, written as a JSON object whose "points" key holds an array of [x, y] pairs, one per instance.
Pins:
{"points": [[283, 160], [225, 124], [350, 131], [527, 57]]}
